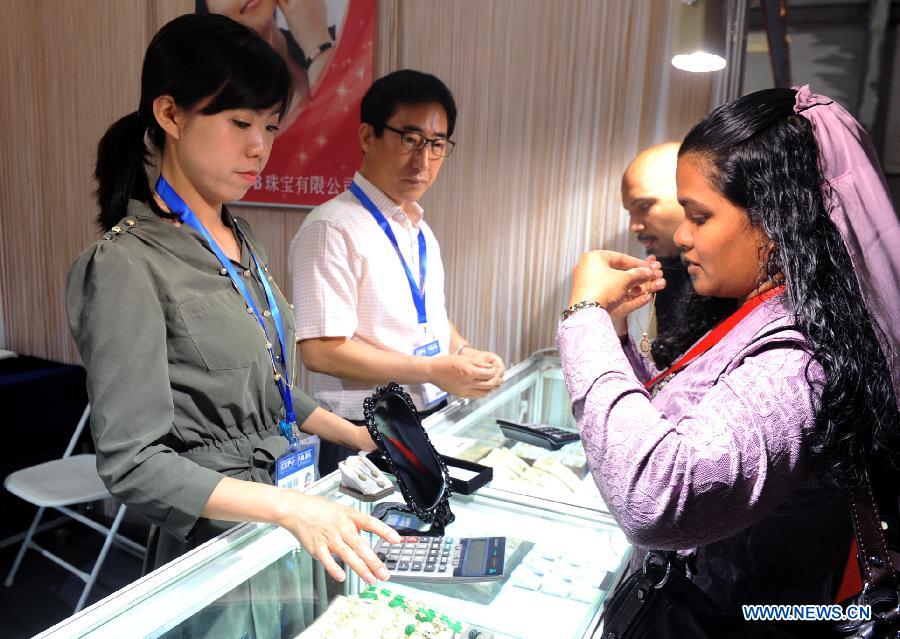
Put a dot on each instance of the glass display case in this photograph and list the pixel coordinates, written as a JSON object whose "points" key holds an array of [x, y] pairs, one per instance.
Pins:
{"points": [[532, 392], [255, 581]]}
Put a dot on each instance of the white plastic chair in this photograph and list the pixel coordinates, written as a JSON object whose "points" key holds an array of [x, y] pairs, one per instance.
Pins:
{"points": [[60, 483]]}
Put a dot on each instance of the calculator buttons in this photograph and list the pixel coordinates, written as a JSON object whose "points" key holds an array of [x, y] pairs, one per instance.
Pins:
{"points": [[437, 558]]}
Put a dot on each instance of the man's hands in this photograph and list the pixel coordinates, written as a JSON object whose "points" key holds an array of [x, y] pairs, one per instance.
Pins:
{"points": [[485, 358], [325, 528], [619, 283], [465, 375]]}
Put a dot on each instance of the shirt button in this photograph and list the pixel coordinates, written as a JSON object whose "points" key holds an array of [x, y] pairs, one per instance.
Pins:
{"points": [[246, 272], [223, 271], [266, 313], [250, 310], [292, 306], [116, 229], [278, 358], [129, 222]]}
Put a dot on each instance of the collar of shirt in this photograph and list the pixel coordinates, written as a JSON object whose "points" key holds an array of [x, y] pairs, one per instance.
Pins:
{"points": [[181, 238], [387, 206]]}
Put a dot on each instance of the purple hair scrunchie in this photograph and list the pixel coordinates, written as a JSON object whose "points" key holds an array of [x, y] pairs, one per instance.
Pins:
{"points": [[859, 204]]}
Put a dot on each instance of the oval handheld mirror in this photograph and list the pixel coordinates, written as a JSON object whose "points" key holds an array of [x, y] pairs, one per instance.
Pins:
{"points": [[393, 422]]}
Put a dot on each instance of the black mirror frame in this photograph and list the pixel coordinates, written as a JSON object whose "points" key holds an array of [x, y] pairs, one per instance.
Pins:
{"points": [[439, 514]]}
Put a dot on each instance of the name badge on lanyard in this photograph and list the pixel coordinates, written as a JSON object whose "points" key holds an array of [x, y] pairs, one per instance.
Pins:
{"points": [[426, 345], [297, 467]]}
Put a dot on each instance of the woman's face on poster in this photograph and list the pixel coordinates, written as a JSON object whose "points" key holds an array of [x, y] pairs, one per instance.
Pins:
{"points": [[256, 14]]}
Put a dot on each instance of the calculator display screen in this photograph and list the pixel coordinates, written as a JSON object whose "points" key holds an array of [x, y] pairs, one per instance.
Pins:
{"points": [[474, 563]]}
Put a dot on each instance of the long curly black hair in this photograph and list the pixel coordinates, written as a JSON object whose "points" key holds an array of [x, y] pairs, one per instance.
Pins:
{"points": [[763, 158]]}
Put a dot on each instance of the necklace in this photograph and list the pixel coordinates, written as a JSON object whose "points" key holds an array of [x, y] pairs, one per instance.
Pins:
{"points": [[644, 344]]}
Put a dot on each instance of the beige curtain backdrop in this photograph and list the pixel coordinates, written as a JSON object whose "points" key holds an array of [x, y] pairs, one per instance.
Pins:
{"points": [[555, 98]]}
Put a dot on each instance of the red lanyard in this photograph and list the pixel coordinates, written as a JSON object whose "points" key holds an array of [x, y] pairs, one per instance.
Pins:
{"points": [[713, 337]]}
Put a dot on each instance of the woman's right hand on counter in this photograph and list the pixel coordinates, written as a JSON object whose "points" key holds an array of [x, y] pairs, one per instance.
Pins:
{"points": [[326, 528], [322, 526]]}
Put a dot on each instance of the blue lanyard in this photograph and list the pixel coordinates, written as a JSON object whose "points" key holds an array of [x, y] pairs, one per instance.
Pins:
{"points": [[418, 294], [282, 379]]}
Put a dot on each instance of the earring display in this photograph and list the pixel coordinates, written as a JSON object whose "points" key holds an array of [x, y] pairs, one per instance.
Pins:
{"points": [[362, 480]]}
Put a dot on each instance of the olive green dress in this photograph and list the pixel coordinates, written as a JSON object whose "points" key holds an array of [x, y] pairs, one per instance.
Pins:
{"points": [[180, 382]]}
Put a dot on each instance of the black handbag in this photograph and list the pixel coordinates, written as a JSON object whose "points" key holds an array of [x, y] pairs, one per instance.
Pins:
{"points": [[660, 602]]}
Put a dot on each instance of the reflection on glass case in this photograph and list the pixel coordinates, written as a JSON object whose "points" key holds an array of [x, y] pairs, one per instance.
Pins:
{"points": [[562, 551], [533, 392], [561, 561]]}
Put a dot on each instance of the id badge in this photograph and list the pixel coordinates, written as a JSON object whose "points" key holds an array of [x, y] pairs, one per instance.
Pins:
{"points": [[297, 467], [429, 347]]}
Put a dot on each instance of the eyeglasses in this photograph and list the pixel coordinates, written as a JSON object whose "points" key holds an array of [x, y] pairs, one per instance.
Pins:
{"points": [[412, 141]]}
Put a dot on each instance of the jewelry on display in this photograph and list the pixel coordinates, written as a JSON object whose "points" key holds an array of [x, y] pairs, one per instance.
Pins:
{"points": [[362, 480], [577, 307], [378, 612], [645, 337]]}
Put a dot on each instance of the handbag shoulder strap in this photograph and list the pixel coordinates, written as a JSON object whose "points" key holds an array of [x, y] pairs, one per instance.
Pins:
{"points": [[875, 565]]}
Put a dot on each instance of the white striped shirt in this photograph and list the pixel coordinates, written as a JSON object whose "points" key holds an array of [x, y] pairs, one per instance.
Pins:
{"points": [[347, 281]]}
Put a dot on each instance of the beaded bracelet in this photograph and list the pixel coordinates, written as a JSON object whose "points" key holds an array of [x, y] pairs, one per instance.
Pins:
{"points": [[577, 307]]}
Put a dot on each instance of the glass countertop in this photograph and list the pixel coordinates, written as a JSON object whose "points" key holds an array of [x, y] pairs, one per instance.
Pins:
{"points": [[561, 562]]}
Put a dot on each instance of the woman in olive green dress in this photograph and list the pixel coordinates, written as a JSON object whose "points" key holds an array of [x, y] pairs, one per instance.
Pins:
{"points": [[186, 385]]}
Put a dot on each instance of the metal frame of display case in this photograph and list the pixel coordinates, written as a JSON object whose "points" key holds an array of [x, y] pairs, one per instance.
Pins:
{"points": [[188, 584], [185, 586], [462, 413]]}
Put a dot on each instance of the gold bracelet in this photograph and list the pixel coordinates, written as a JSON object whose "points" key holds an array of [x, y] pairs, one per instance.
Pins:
{"points": [[577, 307]]}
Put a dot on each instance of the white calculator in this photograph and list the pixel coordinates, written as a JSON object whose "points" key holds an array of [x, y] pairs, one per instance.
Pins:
{"points": [[444, 559]]}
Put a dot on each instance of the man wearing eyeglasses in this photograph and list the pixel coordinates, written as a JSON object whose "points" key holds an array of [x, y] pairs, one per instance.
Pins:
{"points": [[366, 270]]}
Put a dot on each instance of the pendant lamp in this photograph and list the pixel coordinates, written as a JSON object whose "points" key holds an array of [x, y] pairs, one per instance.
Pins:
{"points": [[698, 35]]}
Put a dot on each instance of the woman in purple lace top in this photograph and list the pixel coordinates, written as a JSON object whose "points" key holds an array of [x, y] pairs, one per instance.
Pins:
{"points": [[739, 460]]}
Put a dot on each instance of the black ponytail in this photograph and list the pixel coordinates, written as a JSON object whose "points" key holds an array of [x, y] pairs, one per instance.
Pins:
{"points": [[205, 62], [121, 169]]}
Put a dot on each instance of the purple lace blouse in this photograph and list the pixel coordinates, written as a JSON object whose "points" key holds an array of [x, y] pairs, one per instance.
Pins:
{"points": [[716, 464]]}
